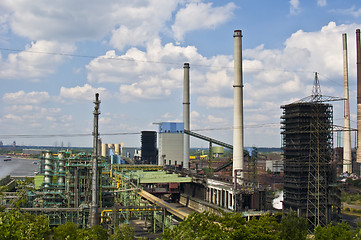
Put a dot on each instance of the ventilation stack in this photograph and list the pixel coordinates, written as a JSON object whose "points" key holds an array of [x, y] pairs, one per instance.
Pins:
{"points": [[238, 108], [186, 114], [94, 220], [358, 64], [347, 162]]}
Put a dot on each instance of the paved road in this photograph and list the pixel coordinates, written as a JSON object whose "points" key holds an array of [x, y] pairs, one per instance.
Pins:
{"points": [[17, 167], [351, 206]]}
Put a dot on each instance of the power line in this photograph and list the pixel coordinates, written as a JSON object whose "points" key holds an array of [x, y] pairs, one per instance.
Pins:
{"points": [[145, 61], [63, 135], [265, 125]]}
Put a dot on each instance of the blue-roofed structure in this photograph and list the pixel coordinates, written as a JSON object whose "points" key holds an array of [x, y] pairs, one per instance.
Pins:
{"points": [[171, 143], [171, 127]]}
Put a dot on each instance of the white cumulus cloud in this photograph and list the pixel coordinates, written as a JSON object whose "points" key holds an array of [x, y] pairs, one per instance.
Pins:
{"points": [[85, 92], [35, 61], [199, 15], [22, 97], [215, 101]]}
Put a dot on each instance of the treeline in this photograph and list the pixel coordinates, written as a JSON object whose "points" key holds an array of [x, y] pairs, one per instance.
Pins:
{"points": [[271, 227], [16, 225], [20, 225]]}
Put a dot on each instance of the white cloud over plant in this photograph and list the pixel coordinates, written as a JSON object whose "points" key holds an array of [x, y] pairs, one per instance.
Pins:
{"points": [[84, 93], [129, 23], [198, 15], [35, 61], [289, 71], [22, 97]]}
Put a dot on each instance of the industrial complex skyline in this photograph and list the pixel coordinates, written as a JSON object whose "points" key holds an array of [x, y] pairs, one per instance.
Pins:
{"points": [[56, 55]]}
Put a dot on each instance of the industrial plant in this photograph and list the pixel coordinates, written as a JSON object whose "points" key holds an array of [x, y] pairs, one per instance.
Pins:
{"points": [[164, 185]]}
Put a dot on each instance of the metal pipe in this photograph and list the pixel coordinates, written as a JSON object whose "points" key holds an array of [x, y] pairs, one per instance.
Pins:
{"points": [[94, 219], [186, 114], [238, 106], [347, 161], [358, 64]]}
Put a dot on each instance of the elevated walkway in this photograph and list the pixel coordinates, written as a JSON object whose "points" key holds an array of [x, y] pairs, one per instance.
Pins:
{"points": [[174, 210], [212, 140]]}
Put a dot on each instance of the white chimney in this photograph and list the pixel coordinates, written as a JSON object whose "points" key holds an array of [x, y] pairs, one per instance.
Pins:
{"points": [[238, 107], [347, 161], [186, 113]]}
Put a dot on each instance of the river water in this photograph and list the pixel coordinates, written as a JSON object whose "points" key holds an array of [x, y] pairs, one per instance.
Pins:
{"points": [[18, 167]]}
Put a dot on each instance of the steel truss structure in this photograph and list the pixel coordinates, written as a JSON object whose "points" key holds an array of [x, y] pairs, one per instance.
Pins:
{"points": [[308, 146]]}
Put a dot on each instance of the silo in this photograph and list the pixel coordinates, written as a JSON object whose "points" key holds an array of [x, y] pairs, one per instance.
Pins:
{"points": [[104, 149], [117, 149]]}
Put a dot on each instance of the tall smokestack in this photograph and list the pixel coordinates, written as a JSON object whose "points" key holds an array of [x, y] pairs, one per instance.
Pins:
{"points": [[347, 162], [186, 113], [238, 107], [95, 178], [358, 63]]}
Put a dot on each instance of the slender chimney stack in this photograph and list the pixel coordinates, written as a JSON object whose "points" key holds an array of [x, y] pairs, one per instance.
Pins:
{"points": [[358, 64], [347, 162], [94, 219], [238, 108], [186, 113]]}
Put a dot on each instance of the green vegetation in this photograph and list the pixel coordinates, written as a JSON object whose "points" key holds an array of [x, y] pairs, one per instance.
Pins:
{"points": [[340, 231], [71, 231], [16, 225], [233, 226], [19, 225], [348, 198]]}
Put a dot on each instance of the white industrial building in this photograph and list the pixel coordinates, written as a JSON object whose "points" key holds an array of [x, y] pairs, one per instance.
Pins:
{"points": [[171, 143]]}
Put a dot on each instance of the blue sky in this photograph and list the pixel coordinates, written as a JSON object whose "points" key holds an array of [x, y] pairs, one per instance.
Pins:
{"points": [[55, 55]]}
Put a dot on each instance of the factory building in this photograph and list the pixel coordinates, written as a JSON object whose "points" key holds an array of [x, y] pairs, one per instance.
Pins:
{"points": [[171, 143], [149, 147], [307, 146]]}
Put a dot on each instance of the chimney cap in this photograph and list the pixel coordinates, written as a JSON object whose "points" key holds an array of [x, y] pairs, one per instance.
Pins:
{"points": [[237, 33]]}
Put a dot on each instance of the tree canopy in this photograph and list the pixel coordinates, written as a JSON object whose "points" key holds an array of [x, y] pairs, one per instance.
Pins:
{"points": [[16, 224]]}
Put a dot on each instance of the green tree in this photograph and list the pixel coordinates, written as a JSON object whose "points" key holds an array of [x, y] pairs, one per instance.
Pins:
{"points": [[96, 232], [71, 231], [66, 231], [197, 226], [123, 232], [266, 227], [227, 226], [19, 225], [341, 231], [293, 227]]}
